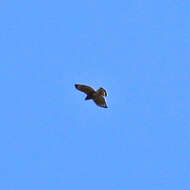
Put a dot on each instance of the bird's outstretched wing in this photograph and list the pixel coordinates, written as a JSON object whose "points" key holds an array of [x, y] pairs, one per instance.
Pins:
{"points": [[86, 89], [100, 101], [102, 92]]}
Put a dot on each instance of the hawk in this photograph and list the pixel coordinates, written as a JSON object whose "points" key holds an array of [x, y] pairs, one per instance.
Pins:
{"points": [[97, 96]]}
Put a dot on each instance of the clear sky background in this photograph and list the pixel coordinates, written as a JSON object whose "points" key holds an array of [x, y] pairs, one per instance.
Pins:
{"points": [[50, 138]]}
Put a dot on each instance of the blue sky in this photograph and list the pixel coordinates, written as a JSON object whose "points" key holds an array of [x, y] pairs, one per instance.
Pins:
{"points": [[139, 50]]}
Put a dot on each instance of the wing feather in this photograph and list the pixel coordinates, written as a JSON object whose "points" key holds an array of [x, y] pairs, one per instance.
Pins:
{"points": [[86, 89], [102, 91]]}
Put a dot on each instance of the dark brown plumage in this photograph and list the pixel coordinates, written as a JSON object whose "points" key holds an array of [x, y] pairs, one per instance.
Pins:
{"points": [[97, 96]]}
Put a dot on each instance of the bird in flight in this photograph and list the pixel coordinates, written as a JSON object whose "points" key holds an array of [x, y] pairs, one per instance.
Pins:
{"points": [[97, 96]]}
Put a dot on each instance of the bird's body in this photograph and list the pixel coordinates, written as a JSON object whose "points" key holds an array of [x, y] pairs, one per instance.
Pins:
{"points": [[97, 96]]}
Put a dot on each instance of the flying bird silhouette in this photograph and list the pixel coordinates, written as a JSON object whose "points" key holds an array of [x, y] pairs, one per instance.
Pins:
{"points": [[97, 96]]}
